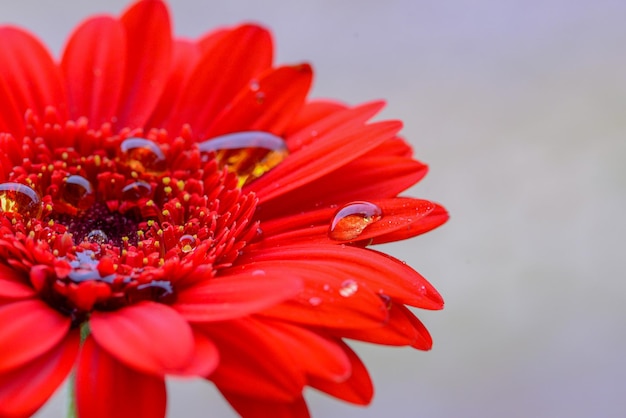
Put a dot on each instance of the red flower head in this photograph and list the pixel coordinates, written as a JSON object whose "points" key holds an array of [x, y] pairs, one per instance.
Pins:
{"points": [[180, 208]]}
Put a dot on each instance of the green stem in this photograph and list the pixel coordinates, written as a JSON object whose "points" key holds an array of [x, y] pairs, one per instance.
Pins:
{"points": [[71, 394]]}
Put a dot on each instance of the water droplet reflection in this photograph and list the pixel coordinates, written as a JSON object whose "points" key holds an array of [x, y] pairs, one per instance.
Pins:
{"points": [[348, 288], [142, 155], [352, 219], [136, 190], [97, 236], [248, 154], [78, 192], [187, 243], [19, 199]]}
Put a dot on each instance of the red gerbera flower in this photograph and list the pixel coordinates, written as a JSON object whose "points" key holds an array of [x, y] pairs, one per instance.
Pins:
{"points": [[179, 208]]}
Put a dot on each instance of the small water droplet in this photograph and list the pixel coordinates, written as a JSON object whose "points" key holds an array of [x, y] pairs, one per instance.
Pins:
{"points": [[326, 287], [352, 219], [249, 154], [260, 97], [187, 243], [136, 190], [258, 273], [315, 301], [78, 192], [19, 198], [254, 85], [157, 290], [142, 155], [348, 288], [97, 236], [386, 300]]}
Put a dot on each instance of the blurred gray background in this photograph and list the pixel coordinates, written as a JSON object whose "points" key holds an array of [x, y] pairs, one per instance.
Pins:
{"points": [[519, 108]]}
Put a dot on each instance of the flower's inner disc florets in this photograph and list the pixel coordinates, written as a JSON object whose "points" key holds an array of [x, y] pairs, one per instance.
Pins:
{"points": [[102, 220]]}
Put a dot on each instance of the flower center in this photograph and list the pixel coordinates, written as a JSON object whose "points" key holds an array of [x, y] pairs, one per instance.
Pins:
{"points": [[108, 219]]}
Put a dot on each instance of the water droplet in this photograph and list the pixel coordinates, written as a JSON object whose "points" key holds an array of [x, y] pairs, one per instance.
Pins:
{"points": [[136, 190], [254, 85], [352, 219], [386, 300], [348, 288], [78, 192], [19, 198], [142, 155], [248, 154], [98, 236], [326, 287], [260, 97], [157, 290], [258, 273], [187, 243], [315, 301]]}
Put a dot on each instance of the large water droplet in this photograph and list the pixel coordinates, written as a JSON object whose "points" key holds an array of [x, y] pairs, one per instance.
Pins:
{"points": [[136, 190], [315, 301], [18, 198], [78, 192], [348, 288], [142, 155], [187, 243], [249, 154], [351, 220]]}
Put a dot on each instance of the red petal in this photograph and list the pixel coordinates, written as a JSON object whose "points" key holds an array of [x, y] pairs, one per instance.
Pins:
{"points": [[93, 64], [205, 358], [249, 407], [321, 157], [401, 220], [30, 78], [236, 295], [268, 106], [185, 56], [221, 73], [379, 272], [343, 120], [148, 58], [106, 388], [313, 353], [369, 178], [12, 285], [403, 328], [312, 112], [29, 329], [150, 337], [12, 116], [321, 303], [358, 389], [253, 362], [24, 390], [436, 218]]}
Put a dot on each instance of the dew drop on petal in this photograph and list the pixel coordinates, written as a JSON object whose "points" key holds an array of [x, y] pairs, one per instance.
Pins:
{"points": [[142, 155], [187, 243], [78, 192], [249, 154], [315, 301], [348, 288], [136, 190], [97, 236], [351, 220], [19, 198]]}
